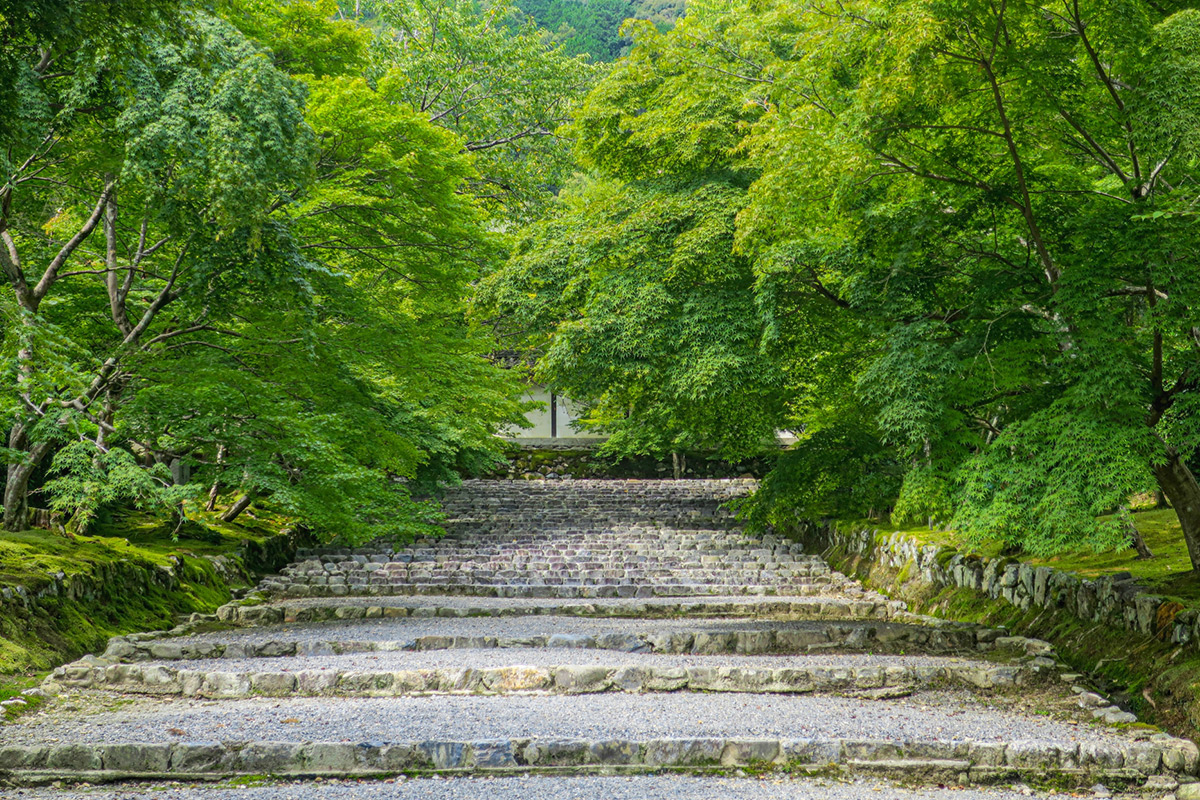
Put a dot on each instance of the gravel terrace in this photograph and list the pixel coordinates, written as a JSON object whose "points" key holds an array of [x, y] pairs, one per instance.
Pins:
{"points": [[544, 657], [648, 787], [944, 715]]}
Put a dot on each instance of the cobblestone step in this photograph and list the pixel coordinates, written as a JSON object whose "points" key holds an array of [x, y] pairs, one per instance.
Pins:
{"points": [[860, 605], [190, 738], [324, 676], [718, 637]]}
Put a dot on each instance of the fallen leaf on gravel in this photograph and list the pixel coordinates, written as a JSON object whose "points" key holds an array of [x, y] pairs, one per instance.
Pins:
{"points": [[176, 732], [289, 721]]}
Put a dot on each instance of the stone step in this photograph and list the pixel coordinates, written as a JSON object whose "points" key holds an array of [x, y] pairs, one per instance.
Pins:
{"points": [[860, 605], [716, 636], [180, 738], [562, 670], [538, 591]]}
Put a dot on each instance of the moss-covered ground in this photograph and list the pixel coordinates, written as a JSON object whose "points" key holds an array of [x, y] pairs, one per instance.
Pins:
{"points": [[1169, 573], [115, 566]]}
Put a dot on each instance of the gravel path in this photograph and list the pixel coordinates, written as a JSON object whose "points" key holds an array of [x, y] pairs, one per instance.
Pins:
{"points": [[943, 715], [544, 657], [407, 628], [649, 787]]}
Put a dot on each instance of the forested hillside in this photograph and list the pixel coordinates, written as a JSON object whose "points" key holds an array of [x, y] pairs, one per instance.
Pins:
{"points": [[593, 27]]}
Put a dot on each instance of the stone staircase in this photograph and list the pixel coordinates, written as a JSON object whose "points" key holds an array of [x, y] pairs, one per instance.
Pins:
{"points": [[584, 539], [563, 633]]}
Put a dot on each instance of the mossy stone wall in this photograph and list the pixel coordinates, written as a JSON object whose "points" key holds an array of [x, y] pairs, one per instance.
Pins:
{"points": [[1144, 650], [66, 616]]}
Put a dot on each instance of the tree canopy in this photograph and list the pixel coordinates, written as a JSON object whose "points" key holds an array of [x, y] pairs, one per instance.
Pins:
{"points": [[262, 249], [970, 229], [238, 260]]}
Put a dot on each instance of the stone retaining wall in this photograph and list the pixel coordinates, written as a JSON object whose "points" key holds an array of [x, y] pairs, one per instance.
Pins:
{"points": [[1116, 601], [101, 591]]}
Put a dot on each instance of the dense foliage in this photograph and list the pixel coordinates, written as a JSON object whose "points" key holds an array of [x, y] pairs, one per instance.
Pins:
{"points": [[239, 242], [593, 27], [972, 233], [951, 245]]}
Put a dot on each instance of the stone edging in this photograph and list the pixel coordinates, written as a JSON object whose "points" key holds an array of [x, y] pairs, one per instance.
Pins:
{"points": [[856, 636], [159, 679], [241, 613], [1114, 601], [955, 761]]}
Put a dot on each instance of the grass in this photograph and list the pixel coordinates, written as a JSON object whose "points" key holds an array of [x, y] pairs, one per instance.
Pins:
{"points": [[12, 686], [1169, 573]]}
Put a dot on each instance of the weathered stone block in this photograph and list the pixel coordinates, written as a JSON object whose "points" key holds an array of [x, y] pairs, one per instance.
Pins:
{"points": [[200, 757], [74, 757], [582, 679], [812, 751], [573, 640], [273, 684], [270, 758], [1181, 756], [23, 757], [492, 754], [396, 757], [557, 753], [613, 752], [1102, 756], [137, 757], [316, 682], [684, 752], [166, 651], [749, 751], [225, 684], [1145, 757], [336, 757], [986, 754]]}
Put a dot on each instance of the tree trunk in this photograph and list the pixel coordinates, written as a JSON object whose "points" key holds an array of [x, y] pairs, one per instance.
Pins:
{"points": [[1179, 485], [16, 484], [238, 507], [16, 498], [215, 489], [1135, 537]]}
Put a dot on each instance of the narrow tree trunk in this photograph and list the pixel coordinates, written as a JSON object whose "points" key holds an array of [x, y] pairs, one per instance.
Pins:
{"points": [[1160, 500], [1179, 485], [1135, 537], [238, 507], [215, 489]]}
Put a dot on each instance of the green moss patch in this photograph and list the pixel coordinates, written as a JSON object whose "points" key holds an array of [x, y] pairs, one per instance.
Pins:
{"points": [[1169, 573], [120, 581]]}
